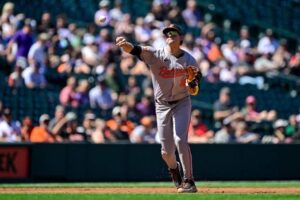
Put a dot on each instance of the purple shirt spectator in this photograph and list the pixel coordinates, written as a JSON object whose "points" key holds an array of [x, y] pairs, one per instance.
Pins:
{"points": [[145, 107], [24, 40], [191, 15]]}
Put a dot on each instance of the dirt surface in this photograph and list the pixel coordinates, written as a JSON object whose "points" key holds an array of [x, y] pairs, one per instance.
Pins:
{"points": [[208, 190]]}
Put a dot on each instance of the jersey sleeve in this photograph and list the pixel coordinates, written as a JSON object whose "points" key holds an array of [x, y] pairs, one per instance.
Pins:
{"points": [[147, 54], [193, 62]]}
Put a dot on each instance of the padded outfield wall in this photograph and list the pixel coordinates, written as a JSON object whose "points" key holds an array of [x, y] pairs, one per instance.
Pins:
{"points": [[142, 162]]}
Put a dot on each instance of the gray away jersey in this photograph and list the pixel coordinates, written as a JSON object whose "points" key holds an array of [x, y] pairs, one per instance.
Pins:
{"points": [[168, 73]]}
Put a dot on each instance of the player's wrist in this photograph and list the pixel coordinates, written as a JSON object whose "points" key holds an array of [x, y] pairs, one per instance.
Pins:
{"points": [[127, 47]]}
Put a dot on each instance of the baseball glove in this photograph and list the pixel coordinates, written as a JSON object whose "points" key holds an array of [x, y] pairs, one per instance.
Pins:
{"points": [[193, 79]]}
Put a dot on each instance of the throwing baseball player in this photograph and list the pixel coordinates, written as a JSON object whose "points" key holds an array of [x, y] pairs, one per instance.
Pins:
{"points": [[175, 76]]}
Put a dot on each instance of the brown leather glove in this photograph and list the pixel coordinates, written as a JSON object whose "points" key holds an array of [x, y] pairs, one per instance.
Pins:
{"points": [[193, 79]]}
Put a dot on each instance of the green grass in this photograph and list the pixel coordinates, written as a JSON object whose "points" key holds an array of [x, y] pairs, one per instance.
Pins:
{"points": [[198, 196], [155, 184], [148, 197]]}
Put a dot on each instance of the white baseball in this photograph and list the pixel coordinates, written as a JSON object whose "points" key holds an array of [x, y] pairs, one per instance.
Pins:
{"points": [[102, 19]]}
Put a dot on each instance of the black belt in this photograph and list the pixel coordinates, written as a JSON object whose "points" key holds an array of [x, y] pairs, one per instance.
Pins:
{"points": [[167, 102], [172, 102]]}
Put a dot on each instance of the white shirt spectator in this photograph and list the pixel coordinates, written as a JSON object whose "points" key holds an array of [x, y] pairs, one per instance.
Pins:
{"points": [[10, 132], [265, 45], [34, 78], [141, 31], [229, 53], [101, 97], [116, 13], [227, 72], [38, 54]]}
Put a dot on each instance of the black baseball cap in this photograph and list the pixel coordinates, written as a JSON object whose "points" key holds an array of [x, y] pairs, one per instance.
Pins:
{"points": [[172, 27]]}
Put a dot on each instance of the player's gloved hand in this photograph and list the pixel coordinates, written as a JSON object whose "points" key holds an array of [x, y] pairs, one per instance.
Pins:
{"points": [[193, 80]]}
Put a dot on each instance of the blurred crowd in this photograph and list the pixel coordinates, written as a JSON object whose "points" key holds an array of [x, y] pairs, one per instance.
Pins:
{"points": [[31, 49]]}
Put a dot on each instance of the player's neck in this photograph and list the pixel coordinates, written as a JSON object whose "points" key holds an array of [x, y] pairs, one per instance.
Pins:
{"points": [[175, 51]]}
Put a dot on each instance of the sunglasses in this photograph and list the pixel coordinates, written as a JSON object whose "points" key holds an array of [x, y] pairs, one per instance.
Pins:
{"points": [[172, 34]]}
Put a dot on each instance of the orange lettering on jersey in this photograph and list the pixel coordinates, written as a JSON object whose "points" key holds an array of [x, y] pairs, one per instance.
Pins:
{"points": [[165, 72]]}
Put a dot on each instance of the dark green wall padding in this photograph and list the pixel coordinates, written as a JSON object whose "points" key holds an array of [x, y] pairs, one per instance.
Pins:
{"points": [[142, 162]]}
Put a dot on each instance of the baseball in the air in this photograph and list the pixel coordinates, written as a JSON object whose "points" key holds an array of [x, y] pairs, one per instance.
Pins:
{"points": [[102, 19]]}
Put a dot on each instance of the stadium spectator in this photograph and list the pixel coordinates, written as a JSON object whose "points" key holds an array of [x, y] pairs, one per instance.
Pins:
{"points": [[251, 114], [281, 56], [65, 67], [226, 134], [10, 130], [267, 44], [132, 87], [145, 132], [264, 63], [294, 64], [72, 132], [101, 96], [119, 127], [142, 31], [227, 72], [74, 38], [125, 26], [82, 93], [146, 106], [16, 79], [61, 29], [223, 107], [229, 52], [116, 14], [244, 41], [103, 11], [33, 76], [104, 43], [158, 10], [190, 46], [7, 28], [89, 52], [98, 136], [129, 104], [41, 133], [243, 135], [57, 124], [38, 52], [23, 40], [293, 126], [67, 94], [198, 131], [88, 125], [191, 15], [26, 129], [111, 78], [279, 131], [8, 21], [45, 24]]}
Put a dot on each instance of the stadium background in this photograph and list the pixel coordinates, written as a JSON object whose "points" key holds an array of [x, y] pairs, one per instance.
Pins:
{"points": [[279, 92]]}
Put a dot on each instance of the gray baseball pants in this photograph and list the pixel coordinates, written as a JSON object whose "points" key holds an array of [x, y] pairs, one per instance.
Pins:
{"points": [[172, 123]]}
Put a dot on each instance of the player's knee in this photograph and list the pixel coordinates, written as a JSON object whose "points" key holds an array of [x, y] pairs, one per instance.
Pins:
{"points": [[166, 155]]}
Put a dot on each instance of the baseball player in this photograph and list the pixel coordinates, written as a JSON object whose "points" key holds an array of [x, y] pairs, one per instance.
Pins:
{"points": [[175, 75]]}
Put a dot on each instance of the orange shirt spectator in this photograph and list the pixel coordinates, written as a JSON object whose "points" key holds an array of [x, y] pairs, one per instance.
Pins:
{"points": [[41, 133]]}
